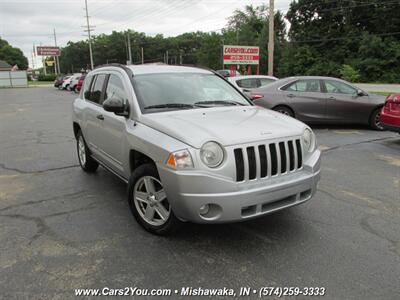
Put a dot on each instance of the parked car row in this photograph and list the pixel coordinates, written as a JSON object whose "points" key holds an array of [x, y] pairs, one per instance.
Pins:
{"points": [[70, 82]]}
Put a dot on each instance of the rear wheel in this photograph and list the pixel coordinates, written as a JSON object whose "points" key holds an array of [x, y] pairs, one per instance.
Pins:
{"points": [[87, 163], [148, 201], [375, 120], [285, 111]]}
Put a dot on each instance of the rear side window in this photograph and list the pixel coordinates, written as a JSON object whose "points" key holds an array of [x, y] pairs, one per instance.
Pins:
{"points": [[115, 88], [95, 94], [248, 83], [309, 85]]}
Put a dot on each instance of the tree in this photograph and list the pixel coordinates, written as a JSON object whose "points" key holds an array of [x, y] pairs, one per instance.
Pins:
{"points": [[362, 34], [12, 55]]}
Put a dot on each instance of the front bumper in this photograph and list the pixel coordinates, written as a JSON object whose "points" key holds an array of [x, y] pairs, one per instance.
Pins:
{"points": [[231, 201]]}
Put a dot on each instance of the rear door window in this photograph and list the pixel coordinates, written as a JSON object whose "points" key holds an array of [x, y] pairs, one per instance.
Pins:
{"points": [[96, 92], [308, 85]]}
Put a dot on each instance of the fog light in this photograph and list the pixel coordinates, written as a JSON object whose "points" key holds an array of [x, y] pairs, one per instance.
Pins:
{"points": [[204, 209]]}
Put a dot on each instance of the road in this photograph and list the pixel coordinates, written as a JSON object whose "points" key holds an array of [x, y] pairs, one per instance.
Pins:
{"points": [[62, 229]]}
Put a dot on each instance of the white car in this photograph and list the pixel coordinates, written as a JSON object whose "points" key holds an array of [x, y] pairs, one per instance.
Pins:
{"points": [[73, 81], [249, 82]]}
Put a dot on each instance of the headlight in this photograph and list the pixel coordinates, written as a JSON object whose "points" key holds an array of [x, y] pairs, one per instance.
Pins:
{"points": [[180, 160], [308, 140], [212, 154]]}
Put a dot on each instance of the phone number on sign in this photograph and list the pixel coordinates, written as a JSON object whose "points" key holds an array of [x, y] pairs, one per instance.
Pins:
{"points": [[291, 291]]}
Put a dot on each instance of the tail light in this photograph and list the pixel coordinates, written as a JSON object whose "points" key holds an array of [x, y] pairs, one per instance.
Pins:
{"points": [[392, 99], [256, 96]]}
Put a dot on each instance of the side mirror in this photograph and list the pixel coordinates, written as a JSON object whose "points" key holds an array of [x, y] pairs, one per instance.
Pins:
{"points": [[117, 106], [361, 93]]}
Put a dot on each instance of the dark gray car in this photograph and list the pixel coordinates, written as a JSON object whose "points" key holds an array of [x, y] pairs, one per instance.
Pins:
{"points": [[316, 99]]}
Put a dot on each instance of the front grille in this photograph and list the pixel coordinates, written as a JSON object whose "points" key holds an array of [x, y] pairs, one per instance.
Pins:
{"points": [[268, 160]]}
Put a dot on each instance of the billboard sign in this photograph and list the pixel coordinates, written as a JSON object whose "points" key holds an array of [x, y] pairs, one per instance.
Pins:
{"points": [[48, 51], [241, 55]]}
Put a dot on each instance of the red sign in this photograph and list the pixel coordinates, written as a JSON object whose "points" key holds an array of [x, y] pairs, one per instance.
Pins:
{"points": [[241, 55], [48, 51]]}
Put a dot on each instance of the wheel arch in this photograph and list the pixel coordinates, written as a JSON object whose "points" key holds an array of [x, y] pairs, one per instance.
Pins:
{"points": [[285, 106], [76, 128], [137, 158]]}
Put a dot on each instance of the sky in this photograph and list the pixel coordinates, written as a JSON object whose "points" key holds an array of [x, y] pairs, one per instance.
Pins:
{"points": [[27, 22]]}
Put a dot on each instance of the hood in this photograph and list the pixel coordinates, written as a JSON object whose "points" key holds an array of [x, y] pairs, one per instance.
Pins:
{"points": [[227, 126]]}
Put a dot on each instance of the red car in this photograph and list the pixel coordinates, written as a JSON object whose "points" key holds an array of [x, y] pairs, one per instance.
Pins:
{"points": [[80, 83], [390, 114]]}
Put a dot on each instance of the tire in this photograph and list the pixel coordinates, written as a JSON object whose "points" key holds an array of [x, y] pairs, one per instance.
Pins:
{"points": [[374, 121], [154, 215], [284, 110], [67, 87], [87, 163]]}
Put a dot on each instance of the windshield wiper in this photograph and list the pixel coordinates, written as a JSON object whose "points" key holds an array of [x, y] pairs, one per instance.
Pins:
{"points": [[218, 102], [170, 105]]}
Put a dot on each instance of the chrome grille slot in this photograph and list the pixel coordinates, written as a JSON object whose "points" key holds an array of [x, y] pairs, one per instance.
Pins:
{"points": [[274, 159], [239, 164], [266, 160], [263, 161], [252, 163], [282, 151]]}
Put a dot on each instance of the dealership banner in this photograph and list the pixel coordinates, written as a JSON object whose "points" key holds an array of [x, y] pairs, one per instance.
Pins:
{"points": [[241, 55], [48, 51]]}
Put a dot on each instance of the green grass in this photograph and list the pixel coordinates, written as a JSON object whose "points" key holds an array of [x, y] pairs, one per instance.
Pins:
{"points": [[381, 93]]}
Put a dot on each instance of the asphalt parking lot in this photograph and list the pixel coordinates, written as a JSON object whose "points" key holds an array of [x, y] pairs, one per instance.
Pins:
{"points": [[62, 229]]}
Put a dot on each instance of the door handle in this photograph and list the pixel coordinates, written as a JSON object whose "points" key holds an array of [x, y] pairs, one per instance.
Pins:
{"points": [[100, 117], [291, 95], [331, 97]]}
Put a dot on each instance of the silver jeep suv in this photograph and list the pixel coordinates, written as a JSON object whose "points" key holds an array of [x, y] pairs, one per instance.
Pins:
{"points": [[191, 146]]}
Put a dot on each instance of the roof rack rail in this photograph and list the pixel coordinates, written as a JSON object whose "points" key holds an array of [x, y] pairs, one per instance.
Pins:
{"points": [[125, 67]]}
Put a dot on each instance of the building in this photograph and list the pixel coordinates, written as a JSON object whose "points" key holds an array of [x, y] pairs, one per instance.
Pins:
{"points": [[4, 66]]}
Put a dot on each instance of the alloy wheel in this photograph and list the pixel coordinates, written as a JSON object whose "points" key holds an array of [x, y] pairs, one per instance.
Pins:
{"points": [[151, 201], [81, 150], [378, 121]]}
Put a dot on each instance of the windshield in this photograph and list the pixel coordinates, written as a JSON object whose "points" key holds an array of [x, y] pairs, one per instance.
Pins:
{"points": [[173, 91]]}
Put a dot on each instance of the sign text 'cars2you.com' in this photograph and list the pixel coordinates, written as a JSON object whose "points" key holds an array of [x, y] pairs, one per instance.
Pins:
{"points": [[241, 55]]}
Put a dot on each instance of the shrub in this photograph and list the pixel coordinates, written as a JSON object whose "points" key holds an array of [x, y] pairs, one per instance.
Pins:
{"points": [[348, 73], [48, 77]]}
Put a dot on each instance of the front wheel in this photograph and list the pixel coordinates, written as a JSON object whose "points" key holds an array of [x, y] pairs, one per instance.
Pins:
{"points": [[375, 120], [87, 163], [148, 201]]}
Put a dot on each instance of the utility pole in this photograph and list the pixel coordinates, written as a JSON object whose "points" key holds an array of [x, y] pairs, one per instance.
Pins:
{"points": [[129, 48], [180, 57], [167, 58], [57, 68], [271, 39], [89, 29], [142, 57]]}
